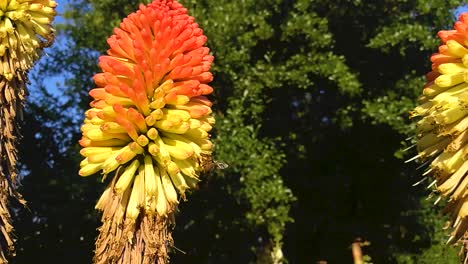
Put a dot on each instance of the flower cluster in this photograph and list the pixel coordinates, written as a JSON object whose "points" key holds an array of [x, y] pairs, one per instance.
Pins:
{"points": [[442, 122], [150, 118], [25, 28]]}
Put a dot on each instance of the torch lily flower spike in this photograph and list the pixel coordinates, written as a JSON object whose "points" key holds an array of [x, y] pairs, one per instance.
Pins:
{"points": [[442, 125], [148, 126], [25, 28]]}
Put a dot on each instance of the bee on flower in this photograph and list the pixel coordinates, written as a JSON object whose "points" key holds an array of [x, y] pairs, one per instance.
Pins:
{"points": [[148, 127]]}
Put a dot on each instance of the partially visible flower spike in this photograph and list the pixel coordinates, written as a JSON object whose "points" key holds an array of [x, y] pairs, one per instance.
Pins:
{"points": [[148, 125], [442, 126], [25, 28]]}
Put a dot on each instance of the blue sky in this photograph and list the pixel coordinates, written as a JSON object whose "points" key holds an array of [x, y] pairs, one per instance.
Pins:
{"points": [[51, 81]]}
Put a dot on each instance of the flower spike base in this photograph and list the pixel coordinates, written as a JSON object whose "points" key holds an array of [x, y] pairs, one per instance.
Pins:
{"points": [[150, 239], [442, 126], [24, 30], [148, 126]]}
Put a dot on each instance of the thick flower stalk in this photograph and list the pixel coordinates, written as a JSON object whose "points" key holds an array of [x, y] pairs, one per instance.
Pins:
{"points": [[442, 125], [25, 28], [148, 126]]}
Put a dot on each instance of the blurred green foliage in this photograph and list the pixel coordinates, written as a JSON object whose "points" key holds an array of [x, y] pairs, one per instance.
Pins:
{"points": [[311, 100]]}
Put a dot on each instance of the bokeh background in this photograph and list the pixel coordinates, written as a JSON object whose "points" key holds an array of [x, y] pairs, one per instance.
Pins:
{"points": [[311, 100]]}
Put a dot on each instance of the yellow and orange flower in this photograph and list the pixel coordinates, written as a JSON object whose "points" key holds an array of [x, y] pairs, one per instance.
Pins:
{"points": [[442, 123], [150, 118]]}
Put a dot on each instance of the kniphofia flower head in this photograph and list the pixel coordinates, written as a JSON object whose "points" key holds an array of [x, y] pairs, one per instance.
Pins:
{"points": [[442, 123], [25, 28], [149, 123]]}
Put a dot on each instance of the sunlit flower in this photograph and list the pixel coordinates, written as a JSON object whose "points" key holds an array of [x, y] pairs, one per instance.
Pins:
{"points": [[149, 123], [442, 122], [25, 28]]}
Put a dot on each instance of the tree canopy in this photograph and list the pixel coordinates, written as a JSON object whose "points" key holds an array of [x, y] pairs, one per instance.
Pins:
{"points": [[311, 101]]}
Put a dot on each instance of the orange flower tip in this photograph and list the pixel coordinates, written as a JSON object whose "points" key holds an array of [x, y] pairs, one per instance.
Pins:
{"points": [[128, 127], [144, 108], [136, 118], [114, 90], [85, 142], [119, 109], [98, 93], [209, 58], [103, 116], [443, 49], [138, 87], [460, 27], [206, 89], [205, 77], [463, 17], [90, 114], [170, 96], [202, 100], [142, 140], [197, 112], [440, 58], [180, 72], [100, 79], [189, 84]]}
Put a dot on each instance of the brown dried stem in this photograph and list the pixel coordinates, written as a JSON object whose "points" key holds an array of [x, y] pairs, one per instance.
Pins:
{"points": [[12, 96], [145, 241]]}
